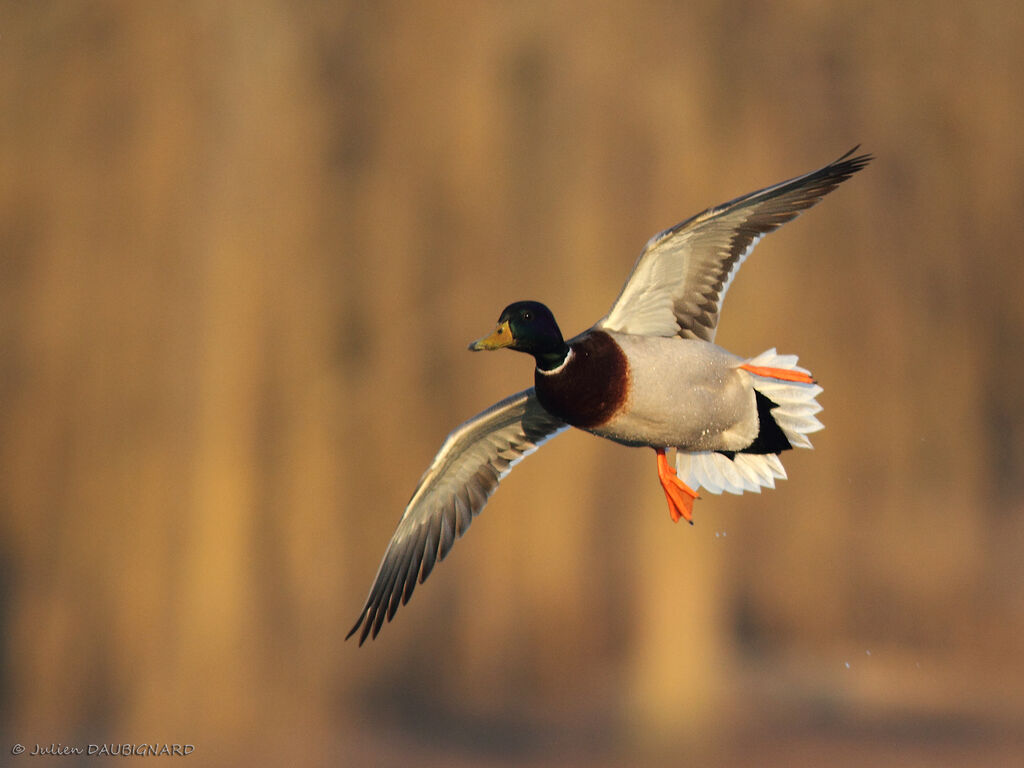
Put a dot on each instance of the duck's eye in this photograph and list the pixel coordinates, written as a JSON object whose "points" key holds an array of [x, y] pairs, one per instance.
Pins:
{"points": [[527, 316]]}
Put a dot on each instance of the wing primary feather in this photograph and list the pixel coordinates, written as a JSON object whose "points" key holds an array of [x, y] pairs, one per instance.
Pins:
{"points": [[387, 603], [433, 544], [479, 488], [414, 565], [373, 602], [355, 627], [378, 620], [447, 530], [401, 578], [463, 513], [381, 606]]}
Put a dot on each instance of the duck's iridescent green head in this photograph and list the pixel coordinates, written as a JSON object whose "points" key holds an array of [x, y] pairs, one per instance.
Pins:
{"points": [[528, 326]]}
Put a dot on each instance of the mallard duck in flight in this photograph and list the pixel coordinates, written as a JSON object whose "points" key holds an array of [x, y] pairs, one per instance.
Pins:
{"points": [[646, 374]]}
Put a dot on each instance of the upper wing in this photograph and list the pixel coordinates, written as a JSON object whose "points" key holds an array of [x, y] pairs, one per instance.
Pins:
{"points": [[679, 282], [453, 490]]}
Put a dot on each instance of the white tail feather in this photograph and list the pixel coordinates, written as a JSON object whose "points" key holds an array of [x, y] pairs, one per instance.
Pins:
{"points": [[795, 411]]}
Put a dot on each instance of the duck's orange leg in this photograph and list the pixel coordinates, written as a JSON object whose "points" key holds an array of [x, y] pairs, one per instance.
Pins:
{"points": [[782, 374], [679, 495]]}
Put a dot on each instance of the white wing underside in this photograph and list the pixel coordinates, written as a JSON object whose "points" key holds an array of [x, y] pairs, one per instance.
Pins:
{"points": [[678, 284], [648, 305]]}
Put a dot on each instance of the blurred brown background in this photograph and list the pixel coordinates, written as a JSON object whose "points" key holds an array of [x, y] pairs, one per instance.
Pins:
{"points": [[244, 245]]}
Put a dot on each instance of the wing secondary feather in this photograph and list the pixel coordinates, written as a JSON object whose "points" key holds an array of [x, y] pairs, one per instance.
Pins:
{"points": [[466, 471]]}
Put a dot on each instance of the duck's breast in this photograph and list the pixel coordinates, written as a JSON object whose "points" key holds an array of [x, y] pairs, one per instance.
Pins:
{"points": [[591, 385]]}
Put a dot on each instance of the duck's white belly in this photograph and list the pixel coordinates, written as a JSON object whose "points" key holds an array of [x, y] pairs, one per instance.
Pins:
{"points": [[683, 393]]}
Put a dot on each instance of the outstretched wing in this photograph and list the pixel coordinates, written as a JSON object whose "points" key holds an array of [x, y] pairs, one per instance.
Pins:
{"points": [[679, 282], [453, 490]]}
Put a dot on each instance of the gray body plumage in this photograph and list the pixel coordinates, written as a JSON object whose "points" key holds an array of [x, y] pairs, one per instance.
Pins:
{"points": [[682, 393]]}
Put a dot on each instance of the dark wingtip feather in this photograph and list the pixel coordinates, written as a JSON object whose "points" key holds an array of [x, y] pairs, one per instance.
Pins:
{"points": [[846, 165], [355, 627], [378, 622], [360, 622]]}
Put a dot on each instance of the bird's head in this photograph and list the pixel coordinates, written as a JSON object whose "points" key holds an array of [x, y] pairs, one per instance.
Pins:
{"points": [[527, 326]]}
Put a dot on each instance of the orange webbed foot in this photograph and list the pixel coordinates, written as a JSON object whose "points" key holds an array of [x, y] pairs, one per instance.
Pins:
{"points": [[679, 495], [781, 374]]}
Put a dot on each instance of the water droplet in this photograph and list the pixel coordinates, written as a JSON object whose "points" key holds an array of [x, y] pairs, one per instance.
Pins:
{"points": [[847, 665]]}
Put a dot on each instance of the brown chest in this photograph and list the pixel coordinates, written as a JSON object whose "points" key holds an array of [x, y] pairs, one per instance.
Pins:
{"points": [[592, 385]]}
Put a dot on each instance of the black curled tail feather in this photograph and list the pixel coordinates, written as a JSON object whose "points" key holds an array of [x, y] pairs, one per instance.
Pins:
{"points": [[770, 437]]}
